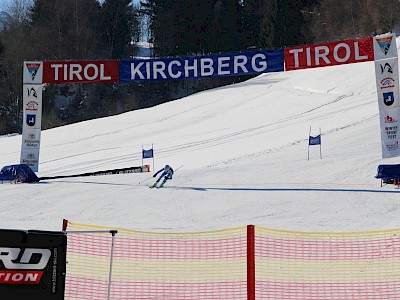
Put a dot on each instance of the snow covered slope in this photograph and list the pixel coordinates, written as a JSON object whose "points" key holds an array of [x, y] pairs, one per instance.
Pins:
{"points": [[243, 149]]}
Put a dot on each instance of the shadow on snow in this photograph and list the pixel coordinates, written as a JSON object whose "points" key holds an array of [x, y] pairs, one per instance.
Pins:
{"points": [[283, 189]]}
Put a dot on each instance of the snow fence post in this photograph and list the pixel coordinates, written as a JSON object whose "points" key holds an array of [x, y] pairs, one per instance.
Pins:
{"points": [[113, 232], [251, 267], [64, 225]]}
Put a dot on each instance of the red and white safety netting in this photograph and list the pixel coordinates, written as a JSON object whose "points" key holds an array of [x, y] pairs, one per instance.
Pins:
{"points": [[232, 264], [145, 265]]}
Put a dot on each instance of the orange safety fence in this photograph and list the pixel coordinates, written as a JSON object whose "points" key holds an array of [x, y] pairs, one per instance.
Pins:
{"points": [[327, 266], [149, 265], [240, 263]]}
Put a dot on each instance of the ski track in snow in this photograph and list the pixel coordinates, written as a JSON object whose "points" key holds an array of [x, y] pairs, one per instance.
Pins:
{"points": [[222, 139]]}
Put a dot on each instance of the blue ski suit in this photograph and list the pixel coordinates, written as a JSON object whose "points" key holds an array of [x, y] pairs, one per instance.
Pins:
{"points": [[166, 173]]}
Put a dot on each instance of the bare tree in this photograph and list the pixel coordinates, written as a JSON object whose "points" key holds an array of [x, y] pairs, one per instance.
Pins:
{"points": [[13, 51], [347, 19], [17, 11]]}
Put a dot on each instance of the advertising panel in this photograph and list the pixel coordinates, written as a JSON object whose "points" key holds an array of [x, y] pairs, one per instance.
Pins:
{"points": [[231, 64], [32, 91], [30, 157], [329, 54], [80, 71], [385, 46], [32, 105], [33, 72], [389, 120], [32, 124], [387, 85], [32, 264]]}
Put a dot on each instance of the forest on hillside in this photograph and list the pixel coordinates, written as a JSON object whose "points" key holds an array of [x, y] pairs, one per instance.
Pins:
{"points": [[110, 29]]}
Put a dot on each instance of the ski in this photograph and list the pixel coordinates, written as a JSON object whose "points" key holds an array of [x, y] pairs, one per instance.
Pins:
{"points": [[154, 185], [162, 183]]}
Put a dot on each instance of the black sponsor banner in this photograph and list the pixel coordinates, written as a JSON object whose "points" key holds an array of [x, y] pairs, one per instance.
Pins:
{"points": [[100, 173], [32, 264]]}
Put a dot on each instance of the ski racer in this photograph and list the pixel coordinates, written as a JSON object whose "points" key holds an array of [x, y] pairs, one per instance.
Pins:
{"points": [[167, 173]]}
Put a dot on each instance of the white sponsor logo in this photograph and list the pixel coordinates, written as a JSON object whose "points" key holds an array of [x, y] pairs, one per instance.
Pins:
{"points": [[198, 67], [72, 72], [322, 53], [9, 257]]}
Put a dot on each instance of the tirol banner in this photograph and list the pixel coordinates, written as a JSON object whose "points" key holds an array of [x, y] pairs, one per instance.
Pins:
{"points": [[32, 114], [80, 71], [329, 54], [231, 64], [32, 264], [387, 84]]}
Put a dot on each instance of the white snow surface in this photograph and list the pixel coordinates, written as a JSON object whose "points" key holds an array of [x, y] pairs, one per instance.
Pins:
{"points": [[243, 148]]}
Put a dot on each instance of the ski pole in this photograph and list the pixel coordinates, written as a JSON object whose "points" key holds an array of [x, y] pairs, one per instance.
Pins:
{"points": [[178, 168], [140, 182]]}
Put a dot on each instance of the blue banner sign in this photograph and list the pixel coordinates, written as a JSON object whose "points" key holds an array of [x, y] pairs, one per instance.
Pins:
{"points": [[231, 64], [147, 153], [314, 140]]}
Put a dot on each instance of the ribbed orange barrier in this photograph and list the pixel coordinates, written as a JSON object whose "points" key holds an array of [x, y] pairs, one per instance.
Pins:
{"points": [[327, 266], [240, 263], [146, 265]]}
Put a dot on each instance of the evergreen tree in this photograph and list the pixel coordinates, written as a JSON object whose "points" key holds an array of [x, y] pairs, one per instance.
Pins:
{"points": [[118, 20], [65, 29], [250, 23], [224, 34], [289, 24], [184, 27], [268, 24], [169, 25], [348, 19]]}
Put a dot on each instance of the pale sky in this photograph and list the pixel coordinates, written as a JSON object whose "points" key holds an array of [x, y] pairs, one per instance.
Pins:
{"points": [[4, 3]]}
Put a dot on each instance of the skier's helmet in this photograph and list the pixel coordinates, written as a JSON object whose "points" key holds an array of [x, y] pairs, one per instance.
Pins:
{"points": [[166, 168]]}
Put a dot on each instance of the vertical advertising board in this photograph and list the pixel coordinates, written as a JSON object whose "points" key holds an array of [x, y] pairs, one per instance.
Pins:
{"points": [[32, 114], [387, 84], [31, 126], [32, 264]]}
